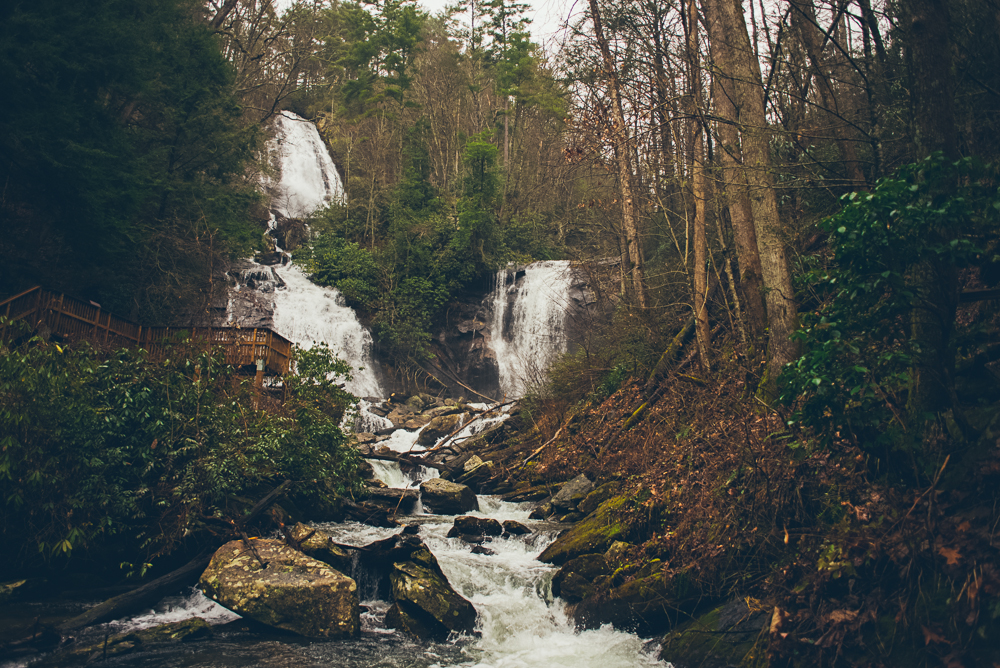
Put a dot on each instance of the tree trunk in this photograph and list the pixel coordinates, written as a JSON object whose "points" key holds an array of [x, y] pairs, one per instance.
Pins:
{"points": [[932, 101], [623, 155], [735, 61], [700, 273], [735, 190]]}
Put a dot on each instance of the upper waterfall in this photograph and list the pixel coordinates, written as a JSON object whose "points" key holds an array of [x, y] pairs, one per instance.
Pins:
{"points": [[529, 323], [303, 312], [309, 179]]}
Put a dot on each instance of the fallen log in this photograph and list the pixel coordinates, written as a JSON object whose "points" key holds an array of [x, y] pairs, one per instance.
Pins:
{"points": [[150, 593], [138, 599]]}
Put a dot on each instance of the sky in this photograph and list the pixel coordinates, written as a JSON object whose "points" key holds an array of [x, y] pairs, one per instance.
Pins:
{"points": [[547, 16]]}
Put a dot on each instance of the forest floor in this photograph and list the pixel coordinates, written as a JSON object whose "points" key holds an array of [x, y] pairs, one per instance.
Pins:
{"points": [[723, 501]]}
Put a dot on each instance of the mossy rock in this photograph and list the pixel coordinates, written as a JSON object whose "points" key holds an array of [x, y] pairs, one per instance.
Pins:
{"points": [[428, 606], [321, 546], [288, 590], [648, 605], [594, 534], [575, 581], [727, 636], [598, 496]]}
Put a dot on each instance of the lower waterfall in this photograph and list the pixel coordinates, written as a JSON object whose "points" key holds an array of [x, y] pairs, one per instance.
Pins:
{"points": [[529, 323]]}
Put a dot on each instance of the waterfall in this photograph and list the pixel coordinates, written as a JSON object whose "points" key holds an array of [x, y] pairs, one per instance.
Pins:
{"points": [[529, 323], [304, 312], [309, 179]]}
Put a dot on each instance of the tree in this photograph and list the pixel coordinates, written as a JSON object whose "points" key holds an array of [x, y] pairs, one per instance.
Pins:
{"points": [[735, 60]]}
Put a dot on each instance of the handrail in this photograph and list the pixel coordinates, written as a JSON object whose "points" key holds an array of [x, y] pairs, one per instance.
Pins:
{"points": [[74, 319]]}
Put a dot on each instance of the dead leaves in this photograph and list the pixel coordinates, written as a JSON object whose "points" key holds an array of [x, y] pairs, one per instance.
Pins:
{"points": [[953, 556]]}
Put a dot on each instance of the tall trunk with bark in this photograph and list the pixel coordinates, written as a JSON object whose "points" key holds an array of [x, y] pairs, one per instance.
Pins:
{"points": [[623, 158], [735, 189], [932, 100], [735, 60], [700, 273]]}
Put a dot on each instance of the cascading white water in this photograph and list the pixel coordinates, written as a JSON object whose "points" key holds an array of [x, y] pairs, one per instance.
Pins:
{"points": [[306, 313], [309, 180], [529, 323]]}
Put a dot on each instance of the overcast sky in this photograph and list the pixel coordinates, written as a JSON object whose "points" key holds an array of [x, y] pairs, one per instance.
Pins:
{"points": [[547, 16]]}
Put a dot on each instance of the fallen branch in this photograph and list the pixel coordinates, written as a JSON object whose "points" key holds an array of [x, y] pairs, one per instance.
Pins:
{"points": [[138, 599], [481, 414], [543, 445], [150, 593], [416, 461]]}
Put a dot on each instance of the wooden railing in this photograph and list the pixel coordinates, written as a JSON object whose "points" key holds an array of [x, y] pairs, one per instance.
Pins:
{"points": [[68, 318]]}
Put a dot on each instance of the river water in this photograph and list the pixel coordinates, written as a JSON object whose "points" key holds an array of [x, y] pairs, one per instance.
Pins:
{"points": [[520, 624]]}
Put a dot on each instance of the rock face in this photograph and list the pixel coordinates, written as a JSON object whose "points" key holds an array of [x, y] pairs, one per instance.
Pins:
{"points": [[293, 592], [447, 498]]}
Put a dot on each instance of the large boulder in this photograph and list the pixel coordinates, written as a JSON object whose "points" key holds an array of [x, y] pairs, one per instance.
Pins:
{"points": [[724, 636], [425, 603], [572, 493], [447, 498], [440, 427], [596, 533], [475, 526], [292, 591]]}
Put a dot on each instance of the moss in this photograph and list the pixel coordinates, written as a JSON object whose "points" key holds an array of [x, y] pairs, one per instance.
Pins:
{"points": [[596, 533], [728, 635]]}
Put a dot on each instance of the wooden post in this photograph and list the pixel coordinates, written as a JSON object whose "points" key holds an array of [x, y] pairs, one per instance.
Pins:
{"points": [[258, 383]]}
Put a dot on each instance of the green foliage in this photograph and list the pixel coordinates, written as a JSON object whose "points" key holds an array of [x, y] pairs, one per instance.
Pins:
{"points": [[115, 451], [852, 380]]}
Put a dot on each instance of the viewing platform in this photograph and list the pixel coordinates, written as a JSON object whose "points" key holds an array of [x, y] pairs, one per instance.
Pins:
{"points": [[75, 320]]}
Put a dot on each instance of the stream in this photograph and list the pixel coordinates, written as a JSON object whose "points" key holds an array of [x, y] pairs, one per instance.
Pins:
{"points": [[520, 625]]}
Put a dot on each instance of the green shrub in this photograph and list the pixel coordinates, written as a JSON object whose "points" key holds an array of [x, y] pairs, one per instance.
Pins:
{"points": [[116, 450]]}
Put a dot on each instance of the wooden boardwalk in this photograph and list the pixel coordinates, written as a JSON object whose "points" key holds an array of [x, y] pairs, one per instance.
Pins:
{"points": [[75, 320]]}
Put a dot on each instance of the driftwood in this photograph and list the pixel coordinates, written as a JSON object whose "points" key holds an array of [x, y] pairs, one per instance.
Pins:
{"points": [[406, 459], [143, 597], [483, 413], [151, 592]]}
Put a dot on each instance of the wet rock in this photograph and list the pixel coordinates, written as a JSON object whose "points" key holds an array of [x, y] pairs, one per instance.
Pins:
{"points": [[416, 403], [575, 580], [293, 592], [479, 549], [515, 528], [438, 411], [290, 233], [320, 546], [394, 499], [424, 595], [572, 493], [647, 604], [448, 498], [440, 427], [368, 513], [541, 512], [417, 421], [596, 533], [363, 437], [597, 496], [570, 518], [485, 526]]}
